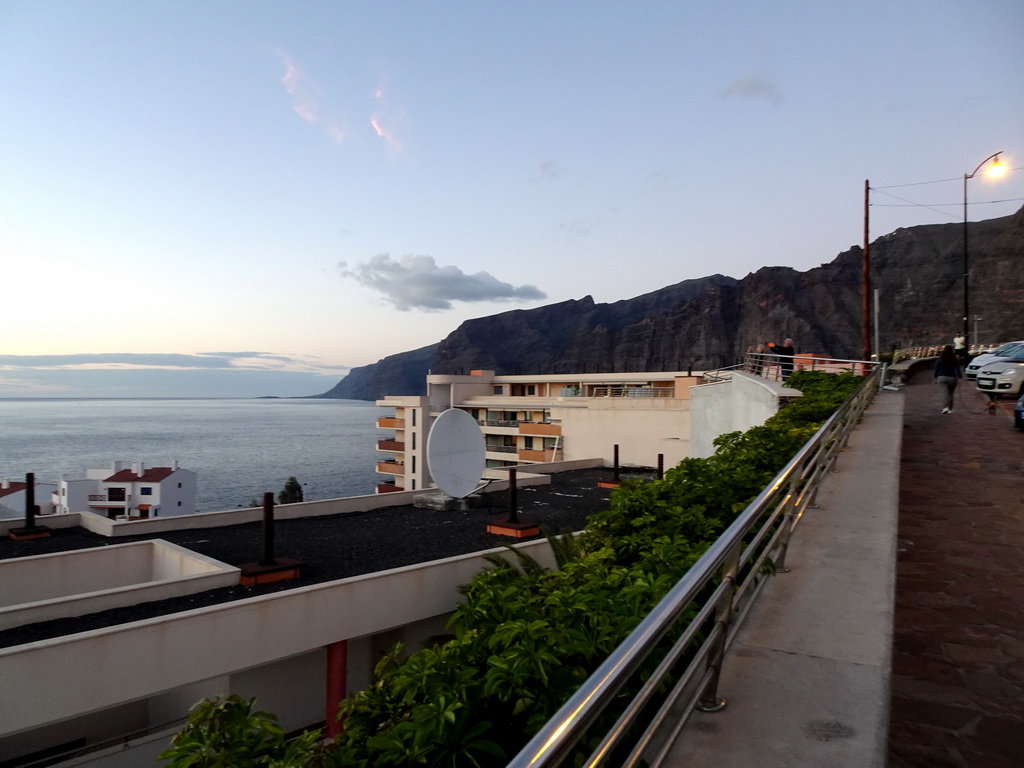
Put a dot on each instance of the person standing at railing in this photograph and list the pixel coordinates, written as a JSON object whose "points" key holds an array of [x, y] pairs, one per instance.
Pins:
{"points": [[786, 360], [947, 372]]}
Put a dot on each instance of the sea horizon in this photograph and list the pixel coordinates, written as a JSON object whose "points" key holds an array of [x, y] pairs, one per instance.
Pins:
{"points": [[239, 448]]}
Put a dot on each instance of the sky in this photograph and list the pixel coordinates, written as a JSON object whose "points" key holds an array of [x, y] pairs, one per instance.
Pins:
{"points": [[235, 198]]}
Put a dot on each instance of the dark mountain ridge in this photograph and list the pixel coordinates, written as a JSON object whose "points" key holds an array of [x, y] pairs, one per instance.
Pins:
{"points": [[709, 322]]}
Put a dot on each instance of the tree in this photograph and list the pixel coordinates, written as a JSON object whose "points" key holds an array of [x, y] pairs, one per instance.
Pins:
{"points": [[227, 733], [291, 493]]}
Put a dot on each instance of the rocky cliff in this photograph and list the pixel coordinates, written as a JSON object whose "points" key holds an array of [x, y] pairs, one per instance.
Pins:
{"points": [[709, 322]]}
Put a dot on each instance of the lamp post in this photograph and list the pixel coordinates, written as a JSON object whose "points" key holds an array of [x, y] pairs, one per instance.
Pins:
{"points": [[996, 170], [865, 287]]}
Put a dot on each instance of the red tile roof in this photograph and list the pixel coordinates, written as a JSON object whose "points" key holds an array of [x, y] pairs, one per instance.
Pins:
{"points": [[149, 475], [15, 487]]}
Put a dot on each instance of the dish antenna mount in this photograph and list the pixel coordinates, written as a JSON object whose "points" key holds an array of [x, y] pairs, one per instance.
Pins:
{"points": [[455, 453]]}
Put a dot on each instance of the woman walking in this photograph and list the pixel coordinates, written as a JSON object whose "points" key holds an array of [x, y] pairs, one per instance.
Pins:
{"points": [[947, 371]]}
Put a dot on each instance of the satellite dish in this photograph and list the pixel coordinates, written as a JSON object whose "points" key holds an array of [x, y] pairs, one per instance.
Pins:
{"points": [[455, 453]]}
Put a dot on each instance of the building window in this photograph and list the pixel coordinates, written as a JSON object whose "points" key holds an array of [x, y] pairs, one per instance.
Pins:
{"points": [[115, 494], [179, 503], [179, 485], [414, 485], [414, 441], [531, 389], [145, 491], [528, 443], [498, 389], [414, 464], [413, 416]]}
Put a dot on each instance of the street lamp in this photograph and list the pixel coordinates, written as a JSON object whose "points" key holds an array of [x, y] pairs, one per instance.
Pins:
{"points": [[996, 170]]}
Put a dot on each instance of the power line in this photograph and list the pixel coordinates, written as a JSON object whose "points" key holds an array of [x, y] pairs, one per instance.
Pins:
{"points": [[937, 181], [912, 203], [945, 205], [915, 184]]}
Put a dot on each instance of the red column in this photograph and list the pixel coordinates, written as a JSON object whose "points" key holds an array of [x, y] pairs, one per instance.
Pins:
{"points": [[337, 681]]}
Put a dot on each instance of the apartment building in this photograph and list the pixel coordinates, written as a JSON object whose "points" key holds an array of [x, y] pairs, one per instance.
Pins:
{"points": [[535, 419]]}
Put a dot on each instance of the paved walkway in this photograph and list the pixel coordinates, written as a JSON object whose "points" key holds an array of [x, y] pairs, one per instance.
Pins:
{"points": [[807, 678], [958, 655]]}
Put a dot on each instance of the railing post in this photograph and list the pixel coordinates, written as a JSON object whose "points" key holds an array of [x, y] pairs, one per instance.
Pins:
{"points": [[710, 701], [787, 519]]}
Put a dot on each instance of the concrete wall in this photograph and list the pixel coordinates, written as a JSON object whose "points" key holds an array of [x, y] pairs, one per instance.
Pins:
{"points": [[68, 678], [743, 402], [642, 428], [75, 583]]}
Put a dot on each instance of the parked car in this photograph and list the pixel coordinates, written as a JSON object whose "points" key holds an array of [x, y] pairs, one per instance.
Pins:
{"points": [[1005, 376], [1018, 414], [990, 357]]}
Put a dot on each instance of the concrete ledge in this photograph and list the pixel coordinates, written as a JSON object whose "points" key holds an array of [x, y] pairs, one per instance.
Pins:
{"points": [[807, 678], [64, 584]]}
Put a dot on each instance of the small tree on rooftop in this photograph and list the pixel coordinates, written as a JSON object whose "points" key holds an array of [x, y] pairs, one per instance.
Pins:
{"points": [[291, 493]]}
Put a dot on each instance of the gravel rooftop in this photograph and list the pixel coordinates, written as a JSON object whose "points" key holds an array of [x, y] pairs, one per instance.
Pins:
{"points": [[331, 547]]}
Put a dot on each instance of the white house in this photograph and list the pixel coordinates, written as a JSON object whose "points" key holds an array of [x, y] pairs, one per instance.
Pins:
{"points": [[138, 492], [12, 499]]}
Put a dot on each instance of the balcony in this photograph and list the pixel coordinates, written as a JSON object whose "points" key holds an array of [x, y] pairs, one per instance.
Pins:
{"points": [[102, 501], [388, 488], [501, 448], [390, 422], [627, 391], [540, 428], [391, 445], [549, 454], [390, 468]]}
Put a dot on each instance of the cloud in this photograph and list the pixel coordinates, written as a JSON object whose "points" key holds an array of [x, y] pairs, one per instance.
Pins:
{"points": [[384, 118], [163, 383], [224, 361], [302, 91], [386, 121], [417, 282], [753, 86], [551, 169], [576, 227]]}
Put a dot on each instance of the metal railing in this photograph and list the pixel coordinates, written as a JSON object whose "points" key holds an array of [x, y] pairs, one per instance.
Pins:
{"points": [[501, 448], [720, 588], [626, 391], [779, 367]]}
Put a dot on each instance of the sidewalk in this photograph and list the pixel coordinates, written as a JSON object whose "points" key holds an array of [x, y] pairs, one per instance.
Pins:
{"points": [[958, 658], [807, 678]]}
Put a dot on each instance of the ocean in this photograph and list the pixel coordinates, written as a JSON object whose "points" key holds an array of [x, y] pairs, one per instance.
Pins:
{"points": [[239, 449]]}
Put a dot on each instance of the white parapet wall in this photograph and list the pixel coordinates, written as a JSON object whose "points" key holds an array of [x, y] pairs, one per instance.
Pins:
{"points": [[739, 403], [66, 584], [69, 677]]}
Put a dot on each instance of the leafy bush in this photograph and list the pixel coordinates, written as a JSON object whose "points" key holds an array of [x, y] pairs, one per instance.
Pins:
{"points": [[526, 638]]}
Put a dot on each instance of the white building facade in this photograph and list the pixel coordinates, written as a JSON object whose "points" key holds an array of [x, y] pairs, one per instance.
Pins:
{"points": [[528, 420], [12, 499], [135, 492]]}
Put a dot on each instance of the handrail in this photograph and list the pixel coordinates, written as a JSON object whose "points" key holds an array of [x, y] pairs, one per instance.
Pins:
{"points": [[737, 562], [778, 367]]}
